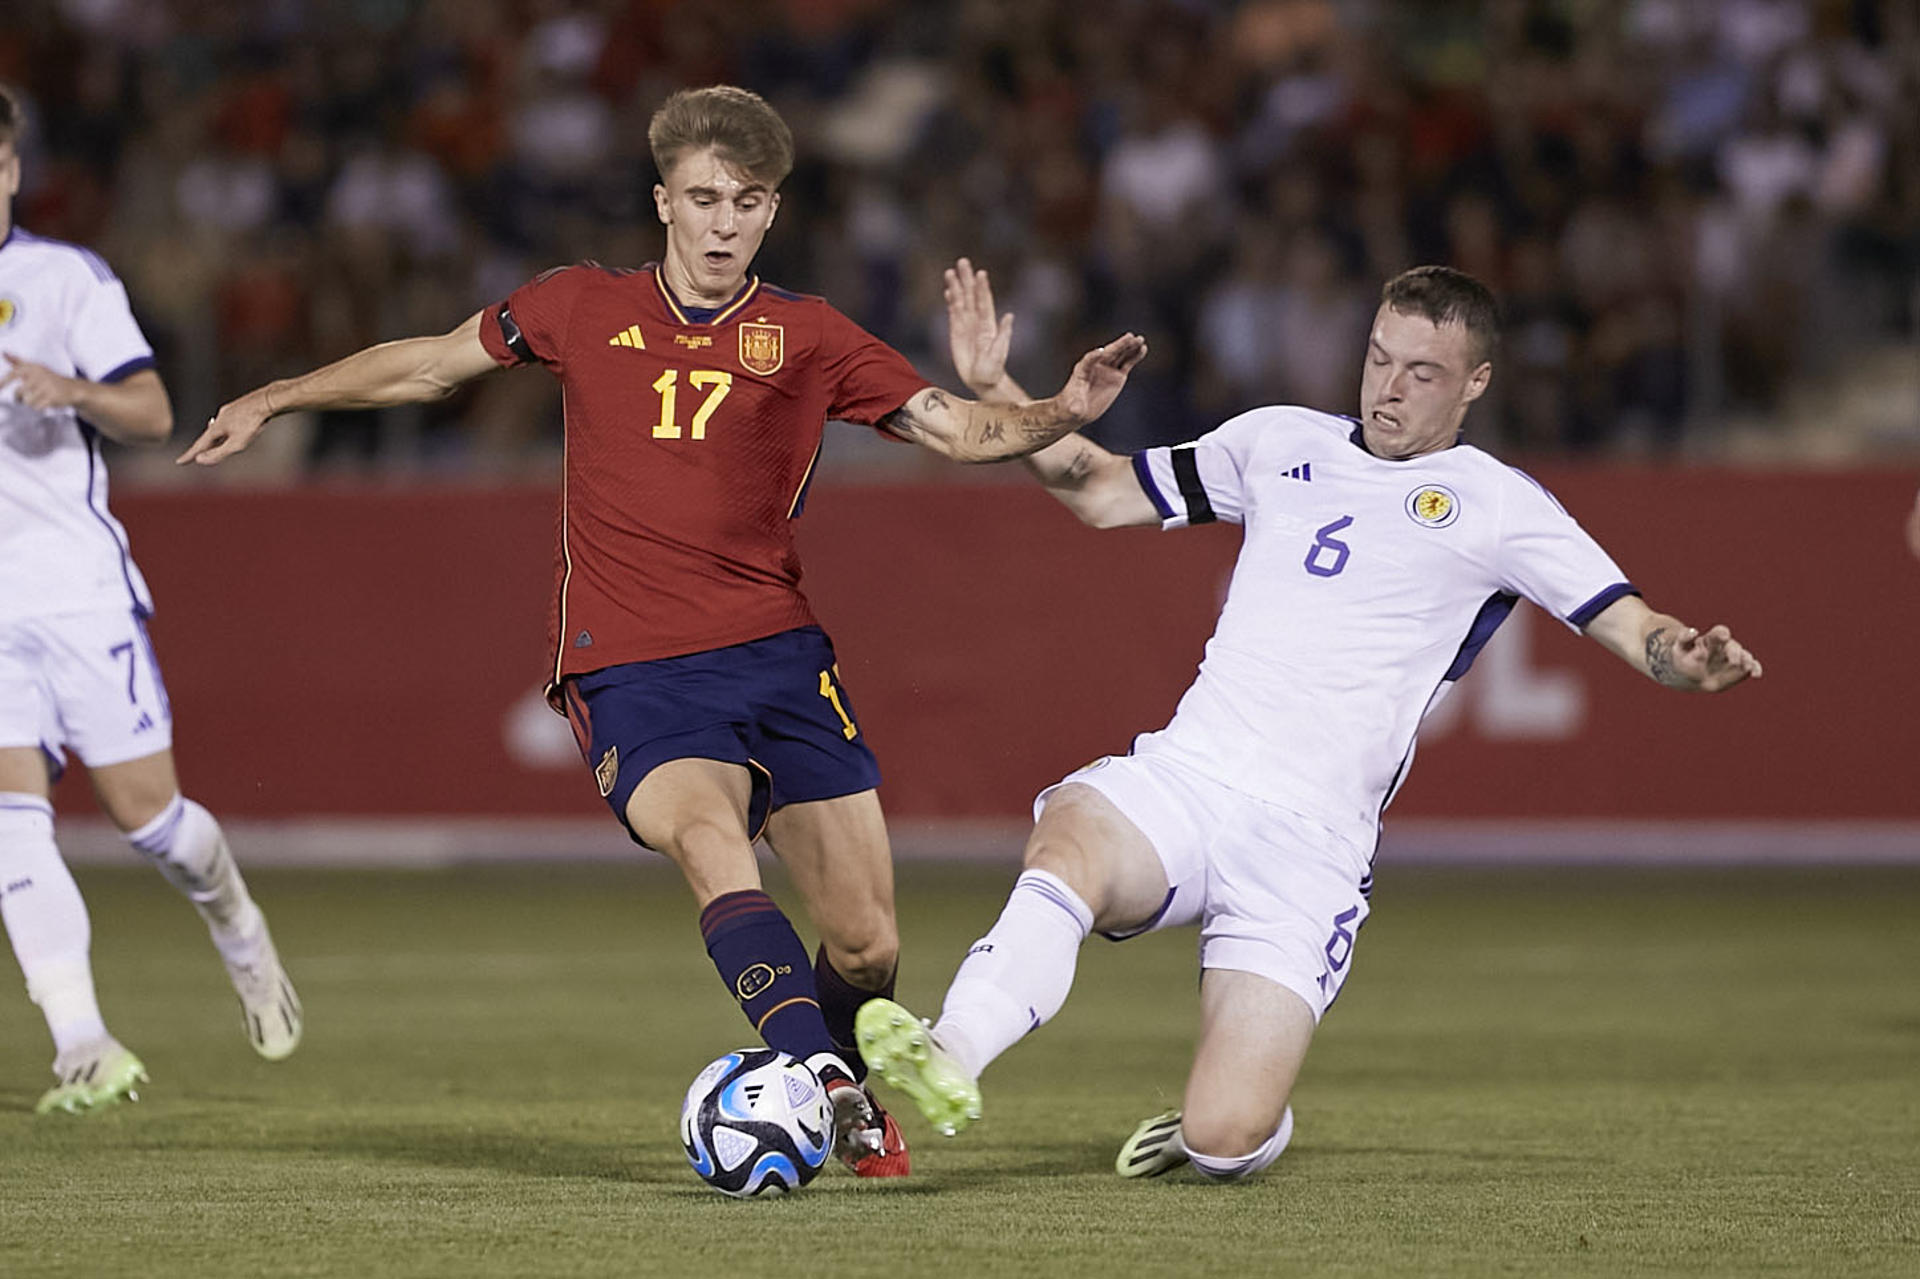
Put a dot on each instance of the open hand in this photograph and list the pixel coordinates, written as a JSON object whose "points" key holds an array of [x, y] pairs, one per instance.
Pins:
{"points": [[979, 342], [1099, 376]]}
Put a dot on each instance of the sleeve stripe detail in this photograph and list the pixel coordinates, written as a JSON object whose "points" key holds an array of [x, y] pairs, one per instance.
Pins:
{"points": [[1144, 473], [124, 371], [1186, 473], [516, 341], [1583, 616]]}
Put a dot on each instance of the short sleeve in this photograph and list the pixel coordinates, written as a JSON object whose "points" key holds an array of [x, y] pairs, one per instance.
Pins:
{"points": [[530, 326], [865, 378], [1205, 480], [105, 340], [1546, 556]]}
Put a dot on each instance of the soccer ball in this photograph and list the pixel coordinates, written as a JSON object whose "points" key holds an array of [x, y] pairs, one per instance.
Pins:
{"points": [[756, 1122]]}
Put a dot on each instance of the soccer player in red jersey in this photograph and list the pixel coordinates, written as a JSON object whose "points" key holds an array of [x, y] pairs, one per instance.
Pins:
{"points": [[704, 696]]}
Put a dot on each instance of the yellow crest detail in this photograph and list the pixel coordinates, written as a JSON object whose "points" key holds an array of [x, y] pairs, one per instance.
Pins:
{"points": [[1433, 505], [8, 310], [762, 347], [608, 771]]}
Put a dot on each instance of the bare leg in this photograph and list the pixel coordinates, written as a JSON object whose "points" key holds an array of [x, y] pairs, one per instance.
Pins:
{"points": [[837, 852], [1254, 1035]]}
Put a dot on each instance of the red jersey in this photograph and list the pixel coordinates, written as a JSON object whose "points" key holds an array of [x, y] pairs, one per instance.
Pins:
{"points": [[689, 444]]}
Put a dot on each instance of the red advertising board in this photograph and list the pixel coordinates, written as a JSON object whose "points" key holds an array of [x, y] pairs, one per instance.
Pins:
{"points": [[378, 651]]}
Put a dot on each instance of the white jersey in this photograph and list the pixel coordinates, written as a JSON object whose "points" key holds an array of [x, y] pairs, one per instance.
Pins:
{"points": [[1363, 589], [61, 550]]}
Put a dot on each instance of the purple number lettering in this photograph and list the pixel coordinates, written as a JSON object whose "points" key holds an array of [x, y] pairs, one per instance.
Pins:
{"points": [[126, 650], [1340, 945], [1325, 540]]}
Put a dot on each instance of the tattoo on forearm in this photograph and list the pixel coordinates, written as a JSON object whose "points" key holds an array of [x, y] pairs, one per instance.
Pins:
{"points": [[990, 432], [901, 422], [934, 400], [1660, 657]]}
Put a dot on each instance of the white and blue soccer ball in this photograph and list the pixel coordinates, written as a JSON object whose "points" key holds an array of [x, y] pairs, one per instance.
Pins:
{"points": [[756, 1122]]}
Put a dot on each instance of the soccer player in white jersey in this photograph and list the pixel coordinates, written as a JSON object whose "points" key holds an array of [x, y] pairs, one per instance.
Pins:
{"points": [[1379, 554], [77, 671]]}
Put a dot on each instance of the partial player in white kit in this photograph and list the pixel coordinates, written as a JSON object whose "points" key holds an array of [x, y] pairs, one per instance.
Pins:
{"points": [[1380, 554], [77, 671]]}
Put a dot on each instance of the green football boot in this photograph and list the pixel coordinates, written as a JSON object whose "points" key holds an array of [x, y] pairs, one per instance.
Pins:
{"points": [[897, 1046], [1154, 1148], [93, 1076]]}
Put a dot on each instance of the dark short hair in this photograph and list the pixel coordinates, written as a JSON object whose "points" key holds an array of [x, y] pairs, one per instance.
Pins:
{"points": [[13, 117], [1445, 296], [737, 123]]}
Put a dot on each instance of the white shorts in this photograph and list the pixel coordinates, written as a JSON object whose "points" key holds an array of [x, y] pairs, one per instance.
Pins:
{"points": [[1275, 893], [88, 681]]}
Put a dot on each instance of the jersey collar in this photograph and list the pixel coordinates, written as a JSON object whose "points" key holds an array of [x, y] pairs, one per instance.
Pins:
{"points": [[689, 315], [1358, 437]]}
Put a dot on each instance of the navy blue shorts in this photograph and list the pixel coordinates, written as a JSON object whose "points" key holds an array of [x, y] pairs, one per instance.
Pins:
{"points": [[773, 705]]}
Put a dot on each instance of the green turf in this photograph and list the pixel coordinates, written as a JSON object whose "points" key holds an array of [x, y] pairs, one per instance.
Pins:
{"points": [[1530, 1073]]}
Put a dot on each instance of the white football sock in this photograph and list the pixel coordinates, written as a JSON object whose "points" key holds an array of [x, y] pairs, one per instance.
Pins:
{"points": [[187, 847], [46, 921], [1015, 978], [1234, 1167]]}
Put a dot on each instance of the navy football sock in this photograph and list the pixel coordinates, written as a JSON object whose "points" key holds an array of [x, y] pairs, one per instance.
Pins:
{"points": [[840, 999], [765, 966]]}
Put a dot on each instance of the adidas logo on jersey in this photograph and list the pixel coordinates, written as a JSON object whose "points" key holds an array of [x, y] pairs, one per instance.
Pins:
{"points": [[1304, 471], [629, 336]]}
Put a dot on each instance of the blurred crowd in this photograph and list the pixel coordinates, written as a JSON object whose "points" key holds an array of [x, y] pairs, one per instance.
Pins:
{"points": [[1685, 205]]}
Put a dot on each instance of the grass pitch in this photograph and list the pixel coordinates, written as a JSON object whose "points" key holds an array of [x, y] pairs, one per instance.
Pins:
{"points": [[1530, 1073]]}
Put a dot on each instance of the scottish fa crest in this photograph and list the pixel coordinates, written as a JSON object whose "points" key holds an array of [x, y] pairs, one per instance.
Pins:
{"points": [[1433, 505], [762, 347]]}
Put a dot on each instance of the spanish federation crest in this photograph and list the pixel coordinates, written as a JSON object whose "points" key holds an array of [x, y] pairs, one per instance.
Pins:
{"points": [[1433, 505], [9, 310], [762, 347]]}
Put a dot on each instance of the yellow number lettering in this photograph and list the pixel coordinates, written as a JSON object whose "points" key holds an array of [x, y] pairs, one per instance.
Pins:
{"points": [[832, 694], [721, 384], [716, 384], [668, 385]]}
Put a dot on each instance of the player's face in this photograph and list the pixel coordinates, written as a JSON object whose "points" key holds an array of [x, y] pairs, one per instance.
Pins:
{"points": [[1418, 380], [716, 216]]}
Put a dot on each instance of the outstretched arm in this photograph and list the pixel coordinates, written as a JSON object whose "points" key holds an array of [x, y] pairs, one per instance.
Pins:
{"points": [[134, 410], [1667, 650], [1096, 485], [970, 431], [409, 371]]}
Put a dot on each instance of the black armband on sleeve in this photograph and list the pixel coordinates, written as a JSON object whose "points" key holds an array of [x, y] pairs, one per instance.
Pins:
{"points": [[515, 339], [1186, 474]]}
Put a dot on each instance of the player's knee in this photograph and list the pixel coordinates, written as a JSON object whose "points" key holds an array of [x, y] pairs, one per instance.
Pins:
{"points": [[704, 848], [131, 811], [864, 950], [1226, 1135], [1059, 852]]}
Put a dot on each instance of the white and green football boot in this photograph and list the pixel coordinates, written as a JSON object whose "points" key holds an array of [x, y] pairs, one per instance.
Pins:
{"points": [[1154, 1148], [269, 1008], [97, 1074], [900, 1050]]}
